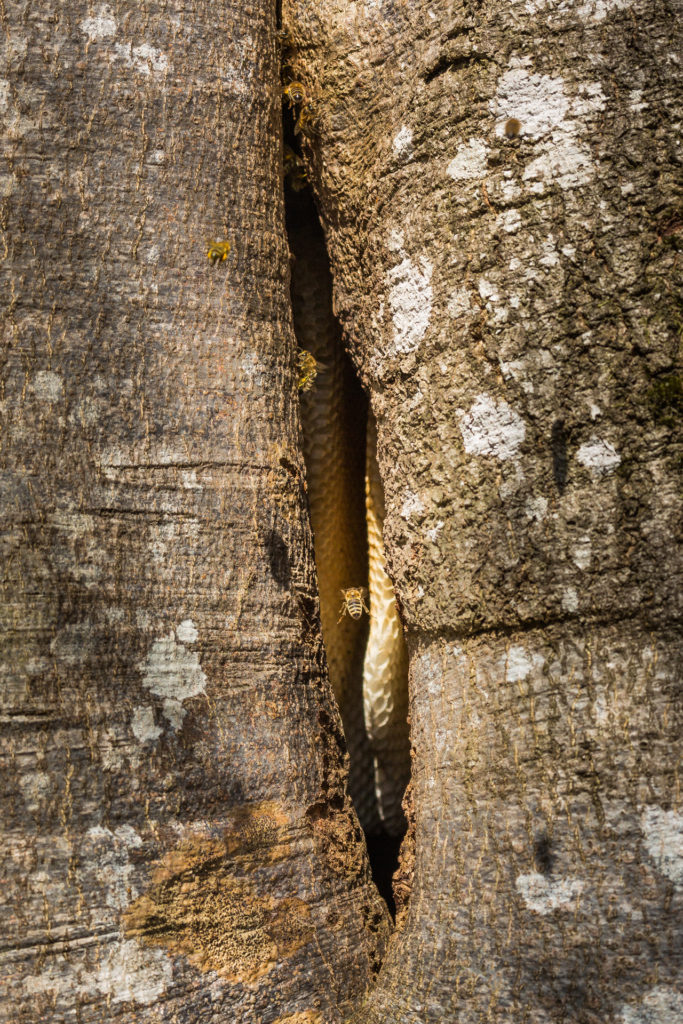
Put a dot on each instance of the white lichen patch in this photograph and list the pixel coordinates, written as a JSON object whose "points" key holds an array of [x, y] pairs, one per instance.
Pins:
{"points": [[550, 256], [601, 710], [516, 369], [172, 672], [635, 101], [661, 1005], [8, 185], [598, 456], [536, 508], [491, 427], [151, 255], [435, 531], [586, 11], [402, 143], [509, 220], [103, 866], [469, 162], [542, 895], [396, 241], [133, 973], [410, 301], [145, 59], [188, 480], [174, 713], [460, 303], [552, 118], [47, 386], [488, 291], [492, 299], [519, 663], [582, 554], [663, 840], [143, 725], [109, 856], [187, 632], [35, 789], [4, 95], [412, 505], [101, 25], [568, 165], [570, 599]]}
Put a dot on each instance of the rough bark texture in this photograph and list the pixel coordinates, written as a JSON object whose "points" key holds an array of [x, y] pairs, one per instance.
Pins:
{"points": [[500, 190], [177, 844]]}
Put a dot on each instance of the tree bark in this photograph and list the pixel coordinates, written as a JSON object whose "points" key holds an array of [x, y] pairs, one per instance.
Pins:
{"points": [[177, 841], [498, 186]]}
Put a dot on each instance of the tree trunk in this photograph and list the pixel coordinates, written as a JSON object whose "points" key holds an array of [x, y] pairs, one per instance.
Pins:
{"points": [[497, 187], [497, 183], [177, 842]]}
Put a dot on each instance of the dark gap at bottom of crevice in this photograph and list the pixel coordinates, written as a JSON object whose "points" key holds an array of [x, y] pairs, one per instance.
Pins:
{"points": [[383, 851], [306, 240]]}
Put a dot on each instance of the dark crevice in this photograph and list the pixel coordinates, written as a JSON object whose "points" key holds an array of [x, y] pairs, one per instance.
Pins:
{"points": [[558, 441], [313, 318], [383, 853]]}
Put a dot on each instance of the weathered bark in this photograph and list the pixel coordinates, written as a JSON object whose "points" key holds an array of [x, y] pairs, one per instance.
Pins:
{"points": [[498, 184], [177, 844]]}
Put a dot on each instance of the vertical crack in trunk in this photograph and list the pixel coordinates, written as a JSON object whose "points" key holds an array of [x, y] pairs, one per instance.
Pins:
{"points": [[346, 509]]}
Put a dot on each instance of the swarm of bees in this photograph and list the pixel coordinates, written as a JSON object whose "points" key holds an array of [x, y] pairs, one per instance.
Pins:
{"points": [[307, 366], [218, 251], [354, 603]]}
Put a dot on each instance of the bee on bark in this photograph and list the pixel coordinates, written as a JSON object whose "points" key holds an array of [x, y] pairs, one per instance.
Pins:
{"points": [[354, 603], [307, 123], [307, 366], [295, 94], [218, 251], [285, 39]]}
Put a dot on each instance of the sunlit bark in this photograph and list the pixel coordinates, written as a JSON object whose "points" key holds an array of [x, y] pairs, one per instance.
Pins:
{"points": [[176, 842], [498, 187]]}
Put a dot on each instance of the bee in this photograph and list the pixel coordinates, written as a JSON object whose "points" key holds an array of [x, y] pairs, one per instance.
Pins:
{"points": [[218, 251], [295, 170], [308, 366], [295, 94], [512, 127], [353, 603], [285, 38], [307, 123]]}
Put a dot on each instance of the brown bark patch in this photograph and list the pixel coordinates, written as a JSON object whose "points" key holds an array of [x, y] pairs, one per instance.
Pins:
{"points": [[305, 1017], [403, 877], [340, 839], [206, 902]]}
